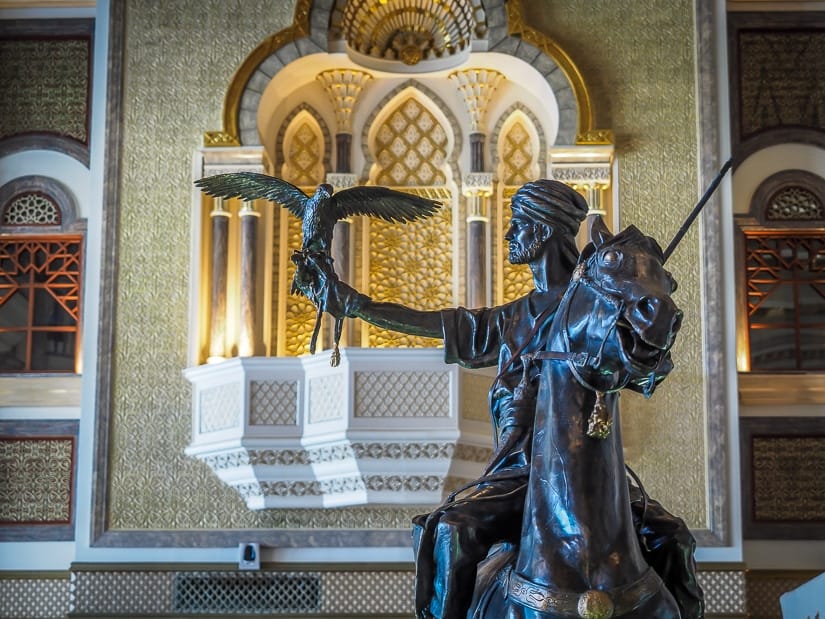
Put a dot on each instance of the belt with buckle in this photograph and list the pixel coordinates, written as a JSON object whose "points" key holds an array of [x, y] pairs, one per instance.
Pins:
{"points": [[590, 604]]}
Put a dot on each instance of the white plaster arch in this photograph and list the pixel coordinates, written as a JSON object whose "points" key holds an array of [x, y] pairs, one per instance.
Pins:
{"points": [[66, 170], [524, 86], [768, 161], [294, 83]]}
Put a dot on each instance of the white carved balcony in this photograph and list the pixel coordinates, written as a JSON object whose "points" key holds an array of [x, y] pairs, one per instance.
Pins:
{"points": [[386, 426]]}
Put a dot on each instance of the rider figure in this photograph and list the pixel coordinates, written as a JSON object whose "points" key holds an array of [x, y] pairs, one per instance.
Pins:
{"points": [[451, 541]]}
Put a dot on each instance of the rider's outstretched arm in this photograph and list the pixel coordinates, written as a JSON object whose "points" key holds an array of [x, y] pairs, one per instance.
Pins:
{"points": [[397, 317], [318, 281]]}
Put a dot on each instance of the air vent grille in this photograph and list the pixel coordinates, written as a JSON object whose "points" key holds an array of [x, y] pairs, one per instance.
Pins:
{"points": [[258, 593]]}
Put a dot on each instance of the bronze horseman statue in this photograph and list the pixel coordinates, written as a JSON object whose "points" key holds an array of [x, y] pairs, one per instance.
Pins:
{"points": [[635, 336]]}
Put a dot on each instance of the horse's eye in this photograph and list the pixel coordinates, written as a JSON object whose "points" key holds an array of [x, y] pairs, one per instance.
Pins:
{"points": [[611, 258]]}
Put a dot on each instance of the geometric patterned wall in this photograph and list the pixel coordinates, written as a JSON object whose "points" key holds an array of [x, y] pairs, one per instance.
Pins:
{"points": [[34, 597], [146, 475], [46, 77], [783, 477], [37, 471], [775, 63], [37, 480]]}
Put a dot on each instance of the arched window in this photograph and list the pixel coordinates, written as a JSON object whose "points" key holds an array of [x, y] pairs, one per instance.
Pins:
{"points": [[783, 243], [40, 278]]}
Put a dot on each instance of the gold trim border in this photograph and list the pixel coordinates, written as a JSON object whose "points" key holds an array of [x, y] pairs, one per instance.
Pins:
{"points": [[230, 135], [517, 26]]}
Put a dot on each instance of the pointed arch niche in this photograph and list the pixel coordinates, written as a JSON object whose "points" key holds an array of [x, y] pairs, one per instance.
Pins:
{"points": [[392, 423]]}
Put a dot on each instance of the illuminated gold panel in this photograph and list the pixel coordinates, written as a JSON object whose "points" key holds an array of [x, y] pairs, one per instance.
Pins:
{"points": [[304, 156], [411, 264], [300, 313], [518, 155], [304, 168], [46, 86], [411, 147]]}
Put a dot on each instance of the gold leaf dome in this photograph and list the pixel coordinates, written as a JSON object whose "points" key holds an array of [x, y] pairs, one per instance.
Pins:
{"points": [[411, 35]]}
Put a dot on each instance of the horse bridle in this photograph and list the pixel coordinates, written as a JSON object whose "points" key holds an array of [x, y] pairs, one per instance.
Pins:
{"points": [[599, 423]]}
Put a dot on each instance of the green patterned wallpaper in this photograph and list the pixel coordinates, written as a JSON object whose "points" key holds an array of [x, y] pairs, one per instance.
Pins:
{"points": [[637, 59]]}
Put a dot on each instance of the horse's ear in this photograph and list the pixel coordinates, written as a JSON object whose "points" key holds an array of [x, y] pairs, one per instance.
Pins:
{"points": [[599, 233]]}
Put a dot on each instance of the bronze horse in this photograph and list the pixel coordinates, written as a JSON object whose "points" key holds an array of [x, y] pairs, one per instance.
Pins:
{"points": [[579, 555]]}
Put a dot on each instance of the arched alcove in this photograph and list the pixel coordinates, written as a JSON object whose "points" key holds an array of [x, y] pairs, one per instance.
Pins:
{"points": [[434, 129], [310, 35]]}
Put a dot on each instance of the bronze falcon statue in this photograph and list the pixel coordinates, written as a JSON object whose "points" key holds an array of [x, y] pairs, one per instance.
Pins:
{"points": [[320, 212]]}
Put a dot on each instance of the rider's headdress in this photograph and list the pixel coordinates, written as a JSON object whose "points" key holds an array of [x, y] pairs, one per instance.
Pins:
{"points": [[552, 203]]}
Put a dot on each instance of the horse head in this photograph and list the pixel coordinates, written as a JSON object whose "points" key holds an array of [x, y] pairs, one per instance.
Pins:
{"points": [[619, 313]]}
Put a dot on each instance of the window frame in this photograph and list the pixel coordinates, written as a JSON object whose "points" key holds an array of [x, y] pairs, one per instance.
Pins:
{"points": [[756, 388], [71, 226], [30, 328]]}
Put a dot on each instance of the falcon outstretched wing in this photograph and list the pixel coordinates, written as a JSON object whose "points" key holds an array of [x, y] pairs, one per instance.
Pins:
{"points": [[382, 202], [254, 186]]}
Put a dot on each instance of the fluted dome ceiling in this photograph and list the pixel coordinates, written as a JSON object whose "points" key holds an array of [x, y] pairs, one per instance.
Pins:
{"points": [[411, 35]]}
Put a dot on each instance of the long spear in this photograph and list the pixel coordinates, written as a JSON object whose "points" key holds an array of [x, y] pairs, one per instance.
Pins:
{"points": [[697, 209]]}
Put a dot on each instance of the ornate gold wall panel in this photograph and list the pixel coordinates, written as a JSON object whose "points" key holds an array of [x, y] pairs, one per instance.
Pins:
{"points": [[304, 154], [411, 147], [171, 92], [518, 155], [779, 79], [783, 477], [411, 264], [37, 480], [630, 53], [788, 474]]}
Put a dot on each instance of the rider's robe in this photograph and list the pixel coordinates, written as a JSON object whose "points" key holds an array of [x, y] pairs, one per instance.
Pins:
{"points": [[484, 337], [450, 541]]}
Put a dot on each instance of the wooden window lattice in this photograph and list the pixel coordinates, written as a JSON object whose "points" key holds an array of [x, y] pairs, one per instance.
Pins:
{"points": [[39, 303], [785, 283]]}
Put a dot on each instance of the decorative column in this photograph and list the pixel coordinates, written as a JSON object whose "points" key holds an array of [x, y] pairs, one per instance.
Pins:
{"points": [[587, 167], [343, 86], [477, 87], [477, 188], [249, 260], [219, 258], [238, 261]]}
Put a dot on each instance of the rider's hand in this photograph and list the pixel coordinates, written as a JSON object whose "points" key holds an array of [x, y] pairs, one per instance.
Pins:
{"points": [[315, 277], [342, 300]]}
